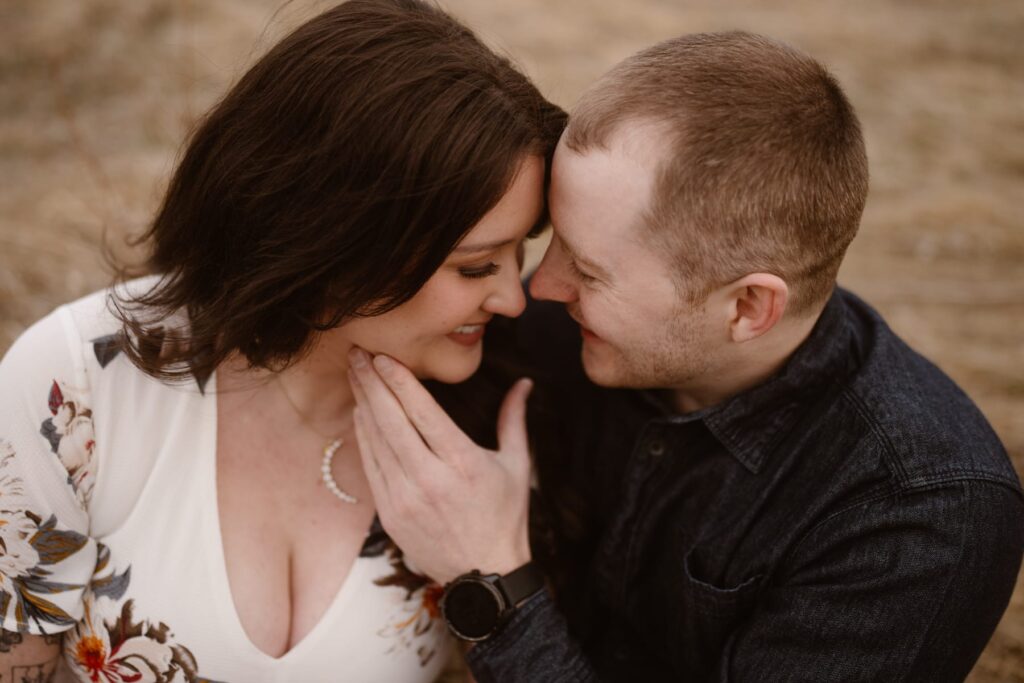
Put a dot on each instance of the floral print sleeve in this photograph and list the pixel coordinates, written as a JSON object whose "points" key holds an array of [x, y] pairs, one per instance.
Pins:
{"points": [[47, 471]]}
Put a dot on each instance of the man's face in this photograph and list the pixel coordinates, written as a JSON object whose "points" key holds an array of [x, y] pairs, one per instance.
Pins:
{"points": [[637, 331]]}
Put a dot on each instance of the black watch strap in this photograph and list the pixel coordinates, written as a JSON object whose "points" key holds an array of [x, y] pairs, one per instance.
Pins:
{"points": [[521, 583]]}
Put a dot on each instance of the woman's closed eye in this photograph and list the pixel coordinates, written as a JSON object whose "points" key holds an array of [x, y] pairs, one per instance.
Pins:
{"points": [[480, 271]]}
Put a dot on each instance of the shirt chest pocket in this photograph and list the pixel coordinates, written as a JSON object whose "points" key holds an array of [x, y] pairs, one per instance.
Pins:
{"points": [[715, 598], [710, 604]]}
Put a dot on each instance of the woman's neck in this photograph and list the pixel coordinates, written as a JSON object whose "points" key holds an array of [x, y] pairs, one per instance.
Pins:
{"points": [[316, 386]]}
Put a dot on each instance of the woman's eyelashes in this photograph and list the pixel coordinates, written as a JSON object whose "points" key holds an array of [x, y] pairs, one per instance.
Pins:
{"points": [[481, 271]]}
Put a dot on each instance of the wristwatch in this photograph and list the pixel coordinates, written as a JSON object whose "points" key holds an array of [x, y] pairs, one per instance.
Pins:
{"points": [[476, 605]]}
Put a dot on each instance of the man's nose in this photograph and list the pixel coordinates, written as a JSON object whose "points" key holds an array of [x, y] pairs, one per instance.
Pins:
{"points": [[550, 280]]}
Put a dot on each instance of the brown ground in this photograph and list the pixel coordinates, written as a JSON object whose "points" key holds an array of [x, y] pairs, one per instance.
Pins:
{"points": [[97, 94]]}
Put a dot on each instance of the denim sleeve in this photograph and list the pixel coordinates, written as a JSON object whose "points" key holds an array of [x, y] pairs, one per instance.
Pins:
{"points": [[534, 647], [905, 587]]}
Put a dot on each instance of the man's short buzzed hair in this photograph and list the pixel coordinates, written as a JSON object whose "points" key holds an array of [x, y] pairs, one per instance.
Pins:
{"points": [[766, 169]]}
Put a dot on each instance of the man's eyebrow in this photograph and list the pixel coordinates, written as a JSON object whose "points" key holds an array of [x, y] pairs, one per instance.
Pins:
{"points": [[483, 246], [583, 260]]}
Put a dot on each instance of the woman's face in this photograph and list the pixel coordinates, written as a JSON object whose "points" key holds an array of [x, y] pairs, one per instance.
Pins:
{"points": [[437, 333]]}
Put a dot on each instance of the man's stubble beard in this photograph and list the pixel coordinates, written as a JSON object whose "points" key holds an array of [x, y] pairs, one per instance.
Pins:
{"points": [[674, 357]]}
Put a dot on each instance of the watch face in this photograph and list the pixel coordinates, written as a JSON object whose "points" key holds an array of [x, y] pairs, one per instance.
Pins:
{"points": [[472, 609]]}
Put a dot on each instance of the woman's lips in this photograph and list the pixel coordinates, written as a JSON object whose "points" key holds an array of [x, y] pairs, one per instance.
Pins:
{"points": [[467, 335]]}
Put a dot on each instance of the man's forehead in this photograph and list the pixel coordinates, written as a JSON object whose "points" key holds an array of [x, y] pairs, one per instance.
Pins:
{"points": [[642, 143], [601, 196], [613, 182]]}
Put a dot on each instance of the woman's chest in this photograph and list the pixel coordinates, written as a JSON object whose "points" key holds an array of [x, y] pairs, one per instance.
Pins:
{"points": [[156, 612], [163, 602], [288, 542]]}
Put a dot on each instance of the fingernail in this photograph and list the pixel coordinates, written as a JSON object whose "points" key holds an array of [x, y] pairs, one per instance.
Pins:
{"points": [[357, 357], [383, 363]]}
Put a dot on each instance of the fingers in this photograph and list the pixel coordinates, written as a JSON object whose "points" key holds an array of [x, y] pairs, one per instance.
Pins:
{"points": [[372, 443], [441, 434], [512, 434], [402, 446], [374, 475]]}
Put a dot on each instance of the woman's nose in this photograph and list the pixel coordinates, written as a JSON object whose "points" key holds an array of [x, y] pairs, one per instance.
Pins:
{"points": [[508, 298]]}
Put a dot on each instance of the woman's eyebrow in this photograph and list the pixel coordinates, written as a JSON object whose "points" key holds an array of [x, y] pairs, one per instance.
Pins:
{"points": [[483, 246]]}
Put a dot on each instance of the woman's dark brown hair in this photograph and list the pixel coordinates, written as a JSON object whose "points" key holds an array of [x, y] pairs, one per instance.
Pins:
{"points": [[330, 182]]}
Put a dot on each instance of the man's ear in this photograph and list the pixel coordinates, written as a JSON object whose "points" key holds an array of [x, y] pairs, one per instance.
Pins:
{"points": [[758, 302]]}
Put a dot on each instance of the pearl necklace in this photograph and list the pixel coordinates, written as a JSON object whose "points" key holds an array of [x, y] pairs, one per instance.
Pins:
{"points": [[328, 478], [329, 450]]}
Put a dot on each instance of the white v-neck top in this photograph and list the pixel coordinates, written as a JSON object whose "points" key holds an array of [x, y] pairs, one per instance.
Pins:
{"points": [[111, 535]]}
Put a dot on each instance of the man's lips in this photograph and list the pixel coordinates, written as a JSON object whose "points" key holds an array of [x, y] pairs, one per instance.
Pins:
{"points": [[468, 335], [584, 330]]}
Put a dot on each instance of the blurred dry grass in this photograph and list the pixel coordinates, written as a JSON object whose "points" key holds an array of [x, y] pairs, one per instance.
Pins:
{"points": [[97, 96]]}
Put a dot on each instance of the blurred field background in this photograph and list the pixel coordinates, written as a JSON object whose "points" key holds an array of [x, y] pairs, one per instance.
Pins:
{"points": [[96, 97]]}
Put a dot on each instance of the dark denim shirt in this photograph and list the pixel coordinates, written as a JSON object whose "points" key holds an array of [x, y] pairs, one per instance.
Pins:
{"points": [[854, 518]]}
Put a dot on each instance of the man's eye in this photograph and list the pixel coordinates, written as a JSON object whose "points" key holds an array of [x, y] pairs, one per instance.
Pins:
{"points": [[579, 273], [485, 271]]}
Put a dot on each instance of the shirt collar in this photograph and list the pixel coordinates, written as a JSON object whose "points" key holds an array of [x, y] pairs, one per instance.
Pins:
{"points": [[752, 423]]}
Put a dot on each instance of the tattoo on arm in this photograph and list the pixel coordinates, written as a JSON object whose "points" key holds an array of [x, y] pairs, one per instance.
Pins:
{"points": [[33, 673], [8, 639], [35, 670]]}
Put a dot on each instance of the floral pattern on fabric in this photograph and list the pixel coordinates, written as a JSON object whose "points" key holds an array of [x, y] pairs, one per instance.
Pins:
{"points": [[71, 436], [109, 645], [420, 611], [122, 649], [29, 547]]}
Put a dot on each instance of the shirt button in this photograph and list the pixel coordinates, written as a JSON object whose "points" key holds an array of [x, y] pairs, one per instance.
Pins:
{"points": [[656, 447]]}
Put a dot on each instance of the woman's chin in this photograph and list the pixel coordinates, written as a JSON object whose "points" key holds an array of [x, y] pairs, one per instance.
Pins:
{"points": [[450, 372]]}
